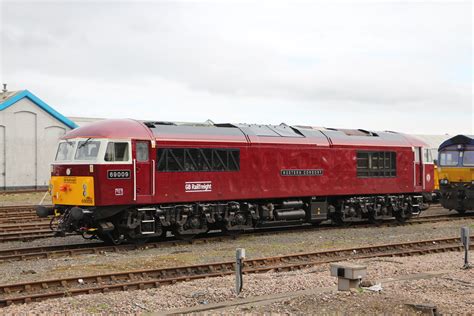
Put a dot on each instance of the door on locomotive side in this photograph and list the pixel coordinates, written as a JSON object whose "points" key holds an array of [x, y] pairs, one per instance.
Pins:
{"points": [[429, 171], [418, 169], [143, 171]]}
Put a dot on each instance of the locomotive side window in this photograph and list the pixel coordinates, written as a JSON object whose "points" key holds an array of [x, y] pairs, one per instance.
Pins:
{"points": [[427, 158], [116, 152], [376, 164], [198, 159], [142, 151]]}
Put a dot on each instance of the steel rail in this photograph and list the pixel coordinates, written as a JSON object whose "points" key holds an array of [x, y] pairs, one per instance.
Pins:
{"points": [[26, 292]]}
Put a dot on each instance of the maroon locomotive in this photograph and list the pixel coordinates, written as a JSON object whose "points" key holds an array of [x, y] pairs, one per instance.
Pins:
{"points": [[124, 179]]}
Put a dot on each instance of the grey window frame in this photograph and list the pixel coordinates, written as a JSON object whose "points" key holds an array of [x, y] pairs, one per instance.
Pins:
{"points": [[179, 159], [376, 164]]}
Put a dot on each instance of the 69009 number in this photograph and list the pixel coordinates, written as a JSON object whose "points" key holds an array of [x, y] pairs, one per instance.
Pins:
{"points": [[118, 174]]}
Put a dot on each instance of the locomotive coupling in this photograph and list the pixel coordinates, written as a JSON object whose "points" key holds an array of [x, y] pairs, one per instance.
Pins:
{"points": [[43, 211]]}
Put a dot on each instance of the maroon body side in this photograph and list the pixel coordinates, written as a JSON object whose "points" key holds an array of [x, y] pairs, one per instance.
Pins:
{"points": [[263, 162]]}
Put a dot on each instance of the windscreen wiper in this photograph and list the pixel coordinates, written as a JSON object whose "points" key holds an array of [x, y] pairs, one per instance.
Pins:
{"points": [[84, 143]]}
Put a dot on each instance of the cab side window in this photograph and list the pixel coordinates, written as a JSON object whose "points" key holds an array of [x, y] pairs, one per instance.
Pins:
{"points": [[116, 152], [142, 151]]}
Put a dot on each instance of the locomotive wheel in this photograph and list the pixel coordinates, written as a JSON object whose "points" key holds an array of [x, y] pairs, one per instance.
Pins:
{"points": [[193, 227], [337, 219], [461, 212], [373, 220], [403, 215], [113, 238]]}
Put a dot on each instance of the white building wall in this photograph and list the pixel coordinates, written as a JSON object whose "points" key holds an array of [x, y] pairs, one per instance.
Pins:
{"points": [[28, 139], [2, 156]]}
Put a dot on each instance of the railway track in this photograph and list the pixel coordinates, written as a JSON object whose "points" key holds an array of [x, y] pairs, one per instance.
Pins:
{"points": [[18, 214], [31, 253], [24, 227], [20, 223], [25, 235], [23, 219], [26, 292], [16, 209]]}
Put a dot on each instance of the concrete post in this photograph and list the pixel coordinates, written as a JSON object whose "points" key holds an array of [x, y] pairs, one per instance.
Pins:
{"points": [[239, 257], [465, 239]]}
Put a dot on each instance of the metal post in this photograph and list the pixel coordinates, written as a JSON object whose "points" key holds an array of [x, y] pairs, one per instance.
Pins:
{"points": [[465, 239], [239, 281]]}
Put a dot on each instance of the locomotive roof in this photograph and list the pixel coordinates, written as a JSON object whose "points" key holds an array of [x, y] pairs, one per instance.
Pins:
{"points": [[118, 129], [457, 140], [240, 133]]}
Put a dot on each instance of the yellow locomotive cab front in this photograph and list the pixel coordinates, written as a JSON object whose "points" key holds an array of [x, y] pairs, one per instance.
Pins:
{"points": [[69, 190], [456, 173]]}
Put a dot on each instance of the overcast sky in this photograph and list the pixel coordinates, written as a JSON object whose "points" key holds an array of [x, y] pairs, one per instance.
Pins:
{"points": [[382, 66]]}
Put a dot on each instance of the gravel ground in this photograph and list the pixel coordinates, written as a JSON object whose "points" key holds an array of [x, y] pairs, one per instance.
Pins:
{"points": [[50, 241], [451, 293], [217, 290], [33, 198], [255, 245]]}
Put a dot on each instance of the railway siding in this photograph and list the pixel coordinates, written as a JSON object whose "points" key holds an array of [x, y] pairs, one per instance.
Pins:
{"points": [[131, 280]]}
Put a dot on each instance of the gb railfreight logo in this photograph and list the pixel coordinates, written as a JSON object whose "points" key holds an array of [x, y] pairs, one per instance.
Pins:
{"points": [[198, 186]]}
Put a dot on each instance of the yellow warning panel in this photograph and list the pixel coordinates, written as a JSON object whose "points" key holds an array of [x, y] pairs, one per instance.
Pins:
{"points": [[456, 174], [72, 190]]}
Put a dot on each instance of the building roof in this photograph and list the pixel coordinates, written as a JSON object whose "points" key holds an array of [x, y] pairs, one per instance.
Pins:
{"points": [[13, 97]]}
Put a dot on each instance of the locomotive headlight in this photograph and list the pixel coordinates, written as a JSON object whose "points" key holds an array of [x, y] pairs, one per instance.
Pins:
{"points": [[444, 181], [68, 171]]}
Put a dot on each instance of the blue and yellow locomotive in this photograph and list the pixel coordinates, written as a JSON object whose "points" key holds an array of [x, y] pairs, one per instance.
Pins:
{"points": [[456, 173]]}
